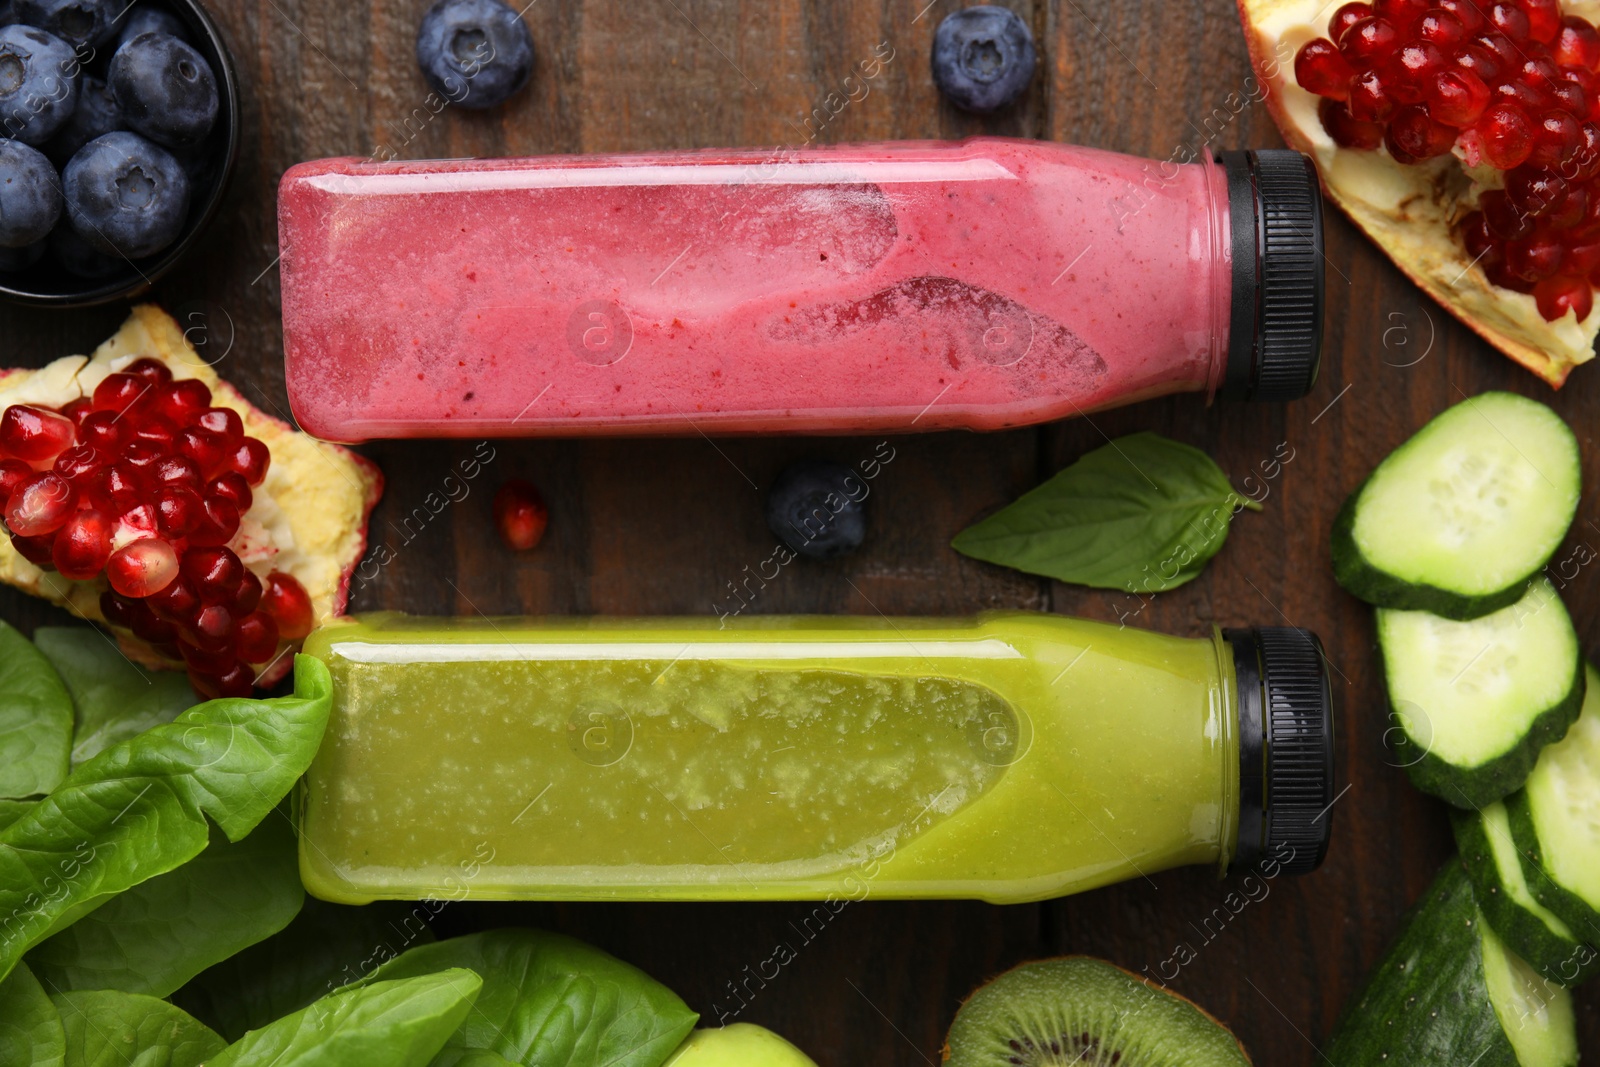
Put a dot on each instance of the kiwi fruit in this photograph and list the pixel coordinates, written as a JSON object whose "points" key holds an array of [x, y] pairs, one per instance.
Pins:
{"points": [[1085, 1012]]}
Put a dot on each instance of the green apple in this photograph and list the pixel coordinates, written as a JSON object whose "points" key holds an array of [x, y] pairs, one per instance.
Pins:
{"points": [[739, 1045]]}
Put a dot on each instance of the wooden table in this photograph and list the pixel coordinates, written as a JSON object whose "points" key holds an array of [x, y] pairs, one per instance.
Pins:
{"points": [[662, 527]]}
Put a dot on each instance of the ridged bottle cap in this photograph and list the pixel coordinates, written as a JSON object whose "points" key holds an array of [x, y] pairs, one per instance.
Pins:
{"points": [[1285, 748], [1275, 324]]}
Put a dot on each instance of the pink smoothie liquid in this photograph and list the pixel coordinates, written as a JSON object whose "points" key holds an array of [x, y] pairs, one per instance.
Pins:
{"points": [[861, 288]]}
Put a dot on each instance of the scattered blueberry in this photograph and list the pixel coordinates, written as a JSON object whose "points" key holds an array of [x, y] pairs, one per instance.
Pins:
{"points": [[80, 23], [815, 507], [125, 195], [149, 18], [15, 259], [96, 113], [475, 53], [983, 58], [38, 83], [30, 195], [165, 89], [78, 259]]}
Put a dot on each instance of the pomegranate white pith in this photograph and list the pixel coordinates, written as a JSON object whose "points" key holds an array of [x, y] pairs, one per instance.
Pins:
{"points": [[306, 519], [1424, 212]]}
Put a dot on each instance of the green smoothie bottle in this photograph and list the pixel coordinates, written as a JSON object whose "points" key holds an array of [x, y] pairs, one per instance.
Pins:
{"points": [[1010, 757]]}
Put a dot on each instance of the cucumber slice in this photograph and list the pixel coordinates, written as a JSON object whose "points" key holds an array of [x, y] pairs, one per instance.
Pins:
{"points": [[1555, 822], [1529, 928], [1448, 992], [1456, 520], [1477, 700]]}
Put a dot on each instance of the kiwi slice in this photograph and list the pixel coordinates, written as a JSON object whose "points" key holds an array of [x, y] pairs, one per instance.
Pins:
{"points": [[1085, 1012]]}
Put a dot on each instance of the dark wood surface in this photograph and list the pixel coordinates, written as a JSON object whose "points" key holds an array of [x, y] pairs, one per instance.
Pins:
{"points": [[661, 527]]}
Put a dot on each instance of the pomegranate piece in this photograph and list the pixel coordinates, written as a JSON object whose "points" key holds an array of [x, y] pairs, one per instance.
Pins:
{"points": [[118, 392], [1535, 258], [182, 402], [1320, 69], [36, 550], [1346, 130], [286, 600], [1533, 191], [1414, 136], [104, 430], [83, 545], [1347, 15], [135, 524], [1401, 13], [1456, 98], [1544, 19], [177, 603], [214, 625], [1555, 138], [1507, 136], [1369, 42], [232, 486], [1557, 296], [1577, 45], [225, 423], [1466, 12], [218, 522], [257, 640], [248, 594], [34, 434], [150, 370], [178, 511], [39, 505], [520, 515], [215, 573], [1510, 21], [1440, 29], [141, 568], [251, 460], [1369, 99]]}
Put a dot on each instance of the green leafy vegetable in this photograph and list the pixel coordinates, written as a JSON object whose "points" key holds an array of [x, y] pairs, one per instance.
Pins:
{"points": [[551, 999], [156, 936], [139, 808], [12, 810], [35, 719], [115, 700], [325, 947], [470, 1057], [30, 1027], [105, 1028], [400, 1023], [1142, 514]]}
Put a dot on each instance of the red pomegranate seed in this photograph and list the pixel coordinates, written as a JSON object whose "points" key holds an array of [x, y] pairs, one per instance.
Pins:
{"points": [[34, 434], [213, 624], [104, 430], [257, 641], [78, 463], [36, 550], [1320, 69], [1582, 259], [1571, 97], [40, 505], [1570, 210], [215, 573], [176, 470], [1409, 71], [158, 433], [118, 610], [178, 511], [209, 661], [287, 601], [1555, 138], [151, 370], [232, 486], [140, 458], [1467, 12], [182, 401], [219, 521], [1578, 44], [115, 486], [13, 472], [1485, 248], [208, 450], [1533, 191], [1557, 296], [83, 545], [1369, 42], [118, 392], [1506, 134], [147, 627], [247, 597], [1544, 19], [1369, 98], [1509, 20], [237, 681], [178, 602], [1345, 17], [1481, 60], [78, 410], [225, 423], [135, 524], [1502, 219], [1457, 98], [1402, 13], [251, 459], [1413, 137], [144, 567], [1535, 258], [520, 514], [1584, 164], [1345, 130], [1440, 29]]}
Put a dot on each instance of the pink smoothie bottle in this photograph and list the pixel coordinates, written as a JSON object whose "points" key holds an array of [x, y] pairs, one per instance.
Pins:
{"points": [[979, 284]]}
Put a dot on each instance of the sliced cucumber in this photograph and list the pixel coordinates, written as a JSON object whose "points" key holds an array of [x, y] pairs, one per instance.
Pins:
{"points": [[1477, 700], [1456, 520], [1448, 992], [1555, 822], [1529, 928]]}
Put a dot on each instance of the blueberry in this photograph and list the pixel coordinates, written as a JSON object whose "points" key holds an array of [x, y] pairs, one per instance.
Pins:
{"points": [[126, 196], [815, 507], [983, 58], [80, 23], [475, 53], [15, 259], [30, 195], [78, 259], [38, 83], [149, 18], [165, 89], [96, 113]]}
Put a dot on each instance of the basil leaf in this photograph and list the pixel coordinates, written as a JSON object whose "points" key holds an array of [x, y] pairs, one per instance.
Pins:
{"points": [[12, 810], [105, 1028], [325, 947], [470, 1057], [35, 719], [30, 1027], [115, 700], [551, 999], [398, 1024], [1142, 514], [139, 808], [161, 933]]}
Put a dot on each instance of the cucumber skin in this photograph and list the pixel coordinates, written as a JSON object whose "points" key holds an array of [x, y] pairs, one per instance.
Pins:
{"points": [[1569, 907], [1366, 582], [1427, 1001], [1562, 961], [1472, 788]]}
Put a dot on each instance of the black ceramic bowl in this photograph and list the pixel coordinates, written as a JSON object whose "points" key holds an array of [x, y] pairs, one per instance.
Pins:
{"points": [[47, 284]]}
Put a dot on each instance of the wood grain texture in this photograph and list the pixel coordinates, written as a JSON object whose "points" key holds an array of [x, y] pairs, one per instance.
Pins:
{"points": [[664, 527]]}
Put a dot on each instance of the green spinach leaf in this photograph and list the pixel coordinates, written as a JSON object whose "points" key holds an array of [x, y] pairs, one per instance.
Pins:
{"points": [[139, 808], [550, 999], [30, 1027], [35, 719], [1141, 514], [401, 1023], [115, 700], [325, 947], [105, 1028], [156, 936]]}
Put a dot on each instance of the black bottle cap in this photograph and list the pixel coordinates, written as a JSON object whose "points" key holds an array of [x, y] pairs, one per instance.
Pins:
{"points": [[1275, 224], [1285, 748]]}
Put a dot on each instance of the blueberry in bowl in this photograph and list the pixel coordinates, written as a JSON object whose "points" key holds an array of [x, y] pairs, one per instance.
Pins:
{"points": [[138, 150]]}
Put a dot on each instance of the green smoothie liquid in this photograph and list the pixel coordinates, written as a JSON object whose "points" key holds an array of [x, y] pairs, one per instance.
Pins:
{"points": [[1008, 757]]}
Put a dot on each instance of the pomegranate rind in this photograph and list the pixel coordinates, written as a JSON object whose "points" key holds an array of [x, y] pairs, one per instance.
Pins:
{"points": [[309, 516], [1409, 211]]}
